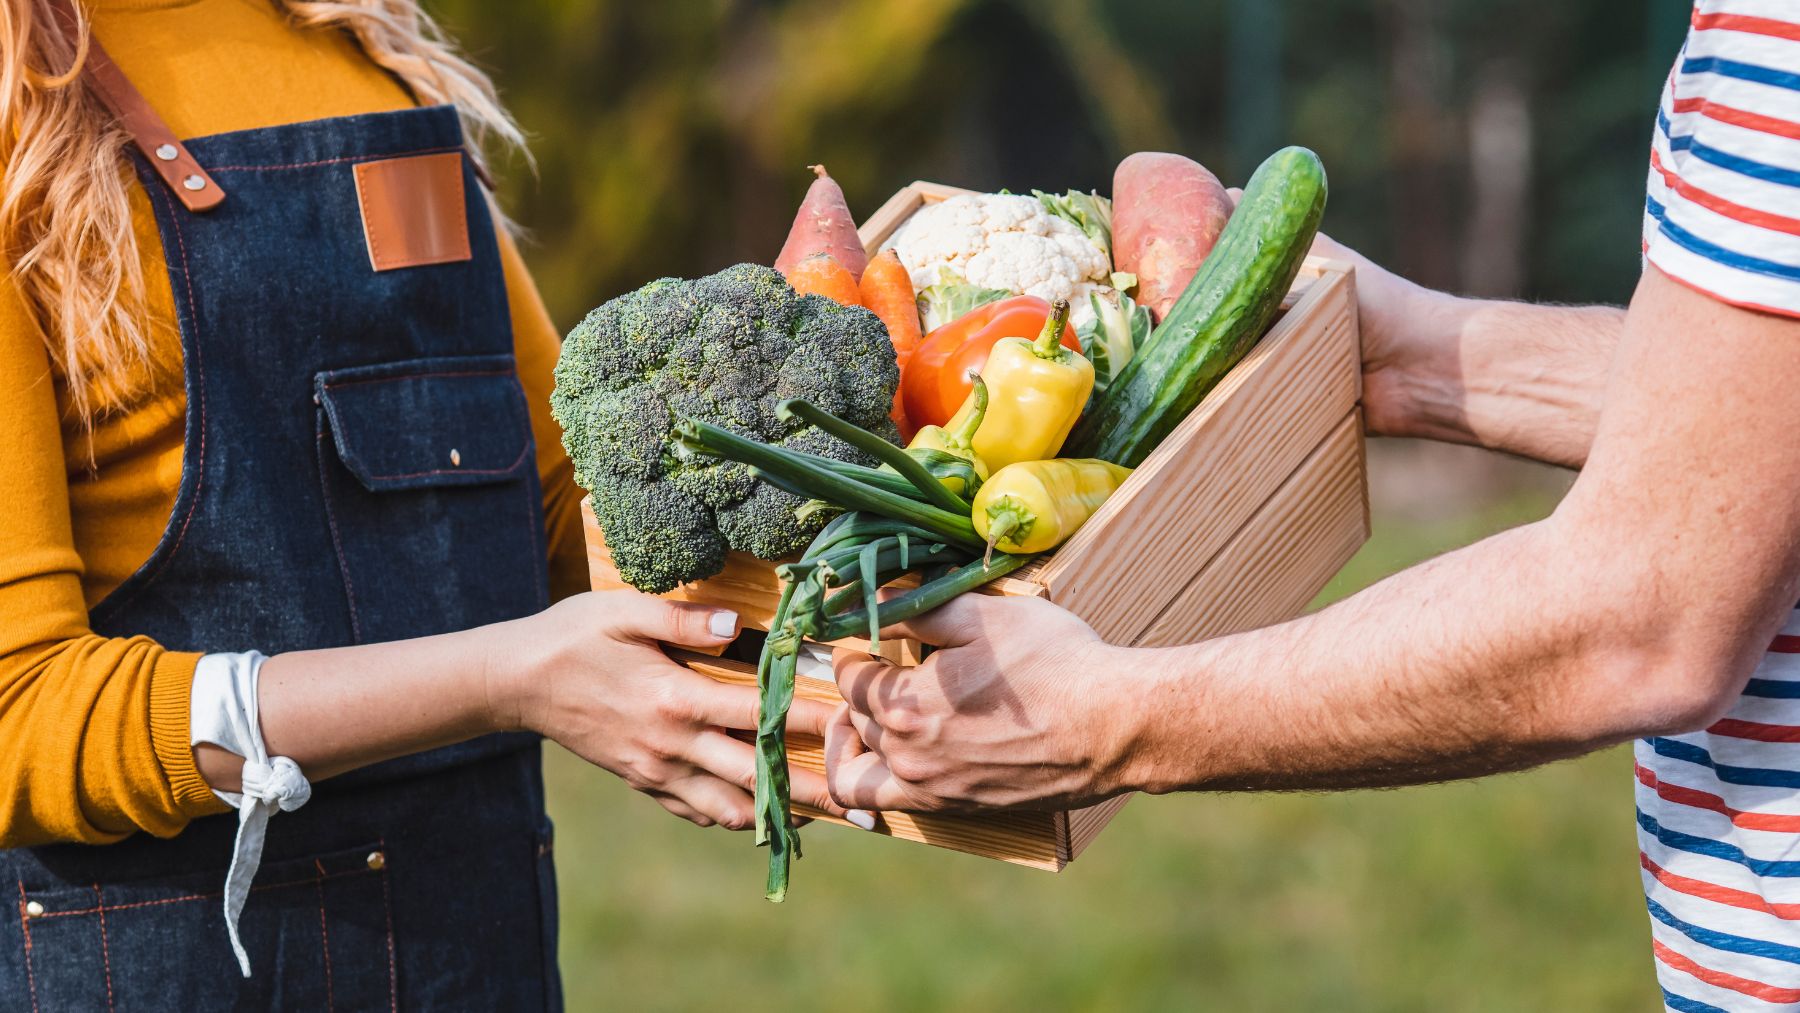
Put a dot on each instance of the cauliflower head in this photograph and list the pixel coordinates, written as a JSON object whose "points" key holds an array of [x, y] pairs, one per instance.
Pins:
{"points": [[1003, 241]]}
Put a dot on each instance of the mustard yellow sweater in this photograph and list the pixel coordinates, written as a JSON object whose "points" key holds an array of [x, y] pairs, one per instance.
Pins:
{"points": [[94, 730]]}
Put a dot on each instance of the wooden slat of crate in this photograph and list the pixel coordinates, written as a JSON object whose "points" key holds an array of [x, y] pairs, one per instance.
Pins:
{"points": [[1282, 558], [1213, 472]]}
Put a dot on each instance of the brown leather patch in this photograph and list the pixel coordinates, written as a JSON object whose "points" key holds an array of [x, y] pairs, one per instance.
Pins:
{"points": [[412, 210]]}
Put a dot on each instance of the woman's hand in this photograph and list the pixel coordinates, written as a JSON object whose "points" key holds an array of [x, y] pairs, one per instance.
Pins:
{"points": [[1014, 709], [589, 673]]}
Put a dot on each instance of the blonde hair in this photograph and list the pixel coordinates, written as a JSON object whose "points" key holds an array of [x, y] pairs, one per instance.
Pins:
{"points": [[65, 200]]}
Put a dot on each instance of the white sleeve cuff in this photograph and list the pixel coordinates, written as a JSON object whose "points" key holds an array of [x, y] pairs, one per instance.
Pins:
{"points": [[222, 711]]}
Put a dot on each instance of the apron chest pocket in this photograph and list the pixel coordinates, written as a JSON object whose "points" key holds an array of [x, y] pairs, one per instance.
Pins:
{"points": [[428, 472], [428, 422]]}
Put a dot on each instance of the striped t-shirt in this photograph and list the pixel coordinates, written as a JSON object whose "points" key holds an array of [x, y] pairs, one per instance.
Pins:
{"points": [[1718, 811]]}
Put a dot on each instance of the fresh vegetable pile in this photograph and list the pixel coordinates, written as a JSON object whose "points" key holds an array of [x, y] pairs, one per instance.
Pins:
{"points": [[744, 411]]}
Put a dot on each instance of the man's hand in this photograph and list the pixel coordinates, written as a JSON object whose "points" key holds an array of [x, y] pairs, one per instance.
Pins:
{"points": [[1020, 706]]}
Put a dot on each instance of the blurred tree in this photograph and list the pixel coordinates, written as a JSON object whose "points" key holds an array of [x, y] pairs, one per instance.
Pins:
{"points": [[1495, 145]]}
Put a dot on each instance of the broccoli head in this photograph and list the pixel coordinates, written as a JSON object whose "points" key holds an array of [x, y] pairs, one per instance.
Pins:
{"points": [[723, 349]]}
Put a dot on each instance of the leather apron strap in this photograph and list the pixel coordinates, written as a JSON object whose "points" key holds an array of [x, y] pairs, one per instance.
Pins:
{"points": [[197, 190]]}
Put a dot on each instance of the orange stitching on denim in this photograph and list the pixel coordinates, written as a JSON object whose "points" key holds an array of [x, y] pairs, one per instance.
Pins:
{"points": [[286, 884], [337, 543], [509, 469], [334, 161], [324, 934], [387, 909], [105, 947], [198, 372], [332, 384], [25, 926]]}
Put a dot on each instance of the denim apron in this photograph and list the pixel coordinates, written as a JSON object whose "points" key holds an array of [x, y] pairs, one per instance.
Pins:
{"points": [[358, 467]]}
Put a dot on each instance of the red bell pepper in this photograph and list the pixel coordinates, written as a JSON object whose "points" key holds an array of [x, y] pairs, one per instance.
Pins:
{"points": [[940, 374]]}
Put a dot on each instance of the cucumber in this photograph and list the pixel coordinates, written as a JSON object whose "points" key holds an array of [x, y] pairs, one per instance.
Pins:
{"points": [[1220, 316]]}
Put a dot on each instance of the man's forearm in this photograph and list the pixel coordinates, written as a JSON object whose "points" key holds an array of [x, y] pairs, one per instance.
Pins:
{"points": [[1482, 660], [1521, 378]]}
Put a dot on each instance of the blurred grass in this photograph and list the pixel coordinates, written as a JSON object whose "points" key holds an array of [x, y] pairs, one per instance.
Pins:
{"points": [[1512, 893]]}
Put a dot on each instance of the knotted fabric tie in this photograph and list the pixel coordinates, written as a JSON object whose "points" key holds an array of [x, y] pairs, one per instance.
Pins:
{"points": [[226, 703]]}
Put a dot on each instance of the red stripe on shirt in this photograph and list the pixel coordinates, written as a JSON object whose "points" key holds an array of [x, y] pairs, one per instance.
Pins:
{"points": [[1785, 644], [1736, 212], [1745, 986], [1694, 798], [1738, 117], [1733, 728], [1747, 23], [1716, 893]]}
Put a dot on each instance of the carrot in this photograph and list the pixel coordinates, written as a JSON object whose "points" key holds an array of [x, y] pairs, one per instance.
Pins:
{"points": [[887, 289], [821, 274], [823, 225]]}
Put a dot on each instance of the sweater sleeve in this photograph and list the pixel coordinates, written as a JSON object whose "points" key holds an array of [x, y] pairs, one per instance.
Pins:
{"points": [[537, 344], [96, 728]]}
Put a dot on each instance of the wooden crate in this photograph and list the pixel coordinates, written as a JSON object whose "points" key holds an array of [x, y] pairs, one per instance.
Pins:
{"points": [[1252, 503]]}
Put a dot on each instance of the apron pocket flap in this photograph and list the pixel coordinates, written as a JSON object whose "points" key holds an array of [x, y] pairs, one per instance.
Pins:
{"points": [[428, 422]]}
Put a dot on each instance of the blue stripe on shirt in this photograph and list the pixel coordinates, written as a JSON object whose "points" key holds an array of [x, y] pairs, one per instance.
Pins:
{"points": [[1741, 71], [1682, 1004], [1736, 163], [1724, 940], [1719, 254], [1772, 689], [1715, 849], [1760, 777]]}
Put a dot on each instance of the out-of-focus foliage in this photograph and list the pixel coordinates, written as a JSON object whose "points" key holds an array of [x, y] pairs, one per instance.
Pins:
{"points": [[1497, 146]]}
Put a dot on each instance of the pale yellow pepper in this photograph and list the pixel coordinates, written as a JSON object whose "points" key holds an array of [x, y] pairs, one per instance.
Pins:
{"points": [[1036, 392], [1034, 506]]}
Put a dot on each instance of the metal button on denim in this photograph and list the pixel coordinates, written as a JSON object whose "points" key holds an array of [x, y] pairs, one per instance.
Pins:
{"points": [[455, 458], [377, 860], [166, 152], [34, 909], [194, 183]]}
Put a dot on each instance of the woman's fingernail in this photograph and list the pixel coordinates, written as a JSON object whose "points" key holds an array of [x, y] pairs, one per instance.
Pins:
{"points": [[862, 818], [722, 624]]}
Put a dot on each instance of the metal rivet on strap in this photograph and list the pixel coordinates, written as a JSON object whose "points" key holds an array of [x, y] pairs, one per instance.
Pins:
{"points": [[377, 860], [166, 152], [194, 183], [34, 910], [455, 458]]}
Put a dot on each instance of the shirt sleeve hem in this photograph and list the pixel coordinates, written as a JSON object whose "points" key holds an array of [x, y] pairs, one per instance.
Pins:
{"points": [[171, 685], [1715, 290]]}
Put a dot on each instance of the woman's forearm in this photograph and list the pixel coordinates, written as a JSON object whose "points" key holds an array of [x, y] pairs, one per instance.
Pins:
{"points": [[589, 673], [338, 709]]}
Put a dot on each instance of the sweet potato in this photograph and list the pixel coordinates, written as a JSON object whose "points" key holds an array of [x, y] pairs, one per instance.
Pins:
{"points": [[1168, 212], [821, 274], [823, 225]]}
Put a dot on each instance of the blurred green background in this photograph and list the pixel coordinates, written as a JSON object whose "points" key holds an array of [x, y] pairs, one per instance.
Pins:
{"points": [[1495, 147]]}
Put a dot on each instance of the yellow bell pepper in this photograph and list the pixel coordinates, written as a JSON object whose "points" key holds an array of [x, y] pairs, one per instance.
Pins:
{"points": [[958, 442], [1036, 392], [1034, 506]]}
